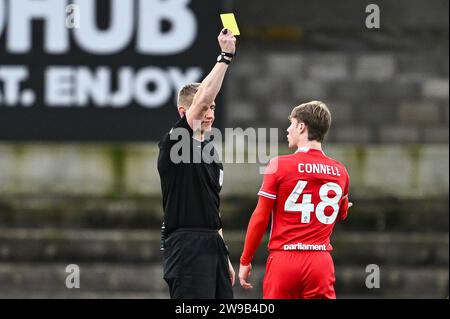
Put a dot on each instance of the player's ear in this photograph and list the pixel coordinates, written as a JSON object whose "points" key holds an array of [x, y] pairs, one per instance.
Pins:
{"points": [[301, 127]]}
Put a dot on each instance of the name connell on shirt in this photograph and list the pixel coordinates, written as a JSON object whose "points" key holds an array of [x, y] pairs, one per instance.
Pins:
{"points": [[300, 246], [318, 169]]}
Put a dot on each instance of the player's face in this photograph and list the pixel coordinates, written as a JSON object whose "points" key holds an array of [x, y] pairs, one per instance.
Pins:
{"points": [[292, 133], [208, 118]]}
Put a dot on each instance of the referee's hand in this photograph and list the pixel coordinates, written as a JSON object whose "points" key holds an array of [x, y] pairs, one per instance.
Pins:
{"points": [[231, 272], [227, 41], [244, 273]]}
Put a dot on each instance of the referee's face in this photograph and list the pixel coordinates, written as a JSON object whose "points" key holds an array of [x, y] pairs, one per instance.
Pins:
{"points": [[208, 118]]}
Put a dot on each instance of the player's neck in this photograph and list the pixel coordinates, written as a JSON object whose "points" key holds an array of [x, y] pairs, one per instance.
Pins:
{"points": [[314, 145]]}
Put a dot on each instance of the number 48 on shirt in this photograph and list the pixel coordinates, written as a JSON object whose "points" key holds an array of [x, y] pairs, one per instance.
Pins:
{"points": [[306, 207]]}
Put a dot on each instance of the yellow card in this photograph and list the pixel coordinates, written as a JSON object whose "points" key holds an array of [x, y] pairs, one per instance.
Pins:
{"points": [[229, 22]]}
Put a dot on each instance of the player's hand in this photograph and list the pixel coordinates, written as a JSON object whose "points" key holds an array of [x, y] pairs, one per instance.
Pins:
{"points": [[231, 272], [244, 273], [227, 41], [350, 204]]}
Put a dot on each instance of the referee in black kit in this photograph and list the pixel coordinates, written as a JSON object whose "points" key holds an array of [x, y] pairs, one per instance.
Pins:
{"points": [[196, 262]]}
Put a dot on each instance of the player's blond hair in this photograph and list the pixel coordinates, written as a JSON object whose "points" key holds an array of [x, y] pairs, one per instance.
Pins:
{"points": [[316, 116], [186, 94]]}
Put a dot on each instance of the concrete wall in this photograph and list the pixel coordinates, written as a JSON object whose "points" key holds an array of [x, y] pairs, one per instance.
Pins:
{"points": [[130, 170], [381, 98], [387, 85]]}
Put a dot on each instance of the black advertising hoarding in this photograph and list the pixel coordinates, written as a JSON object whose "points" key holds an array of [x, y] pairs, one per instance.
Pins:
{"points": [[100, 70]]}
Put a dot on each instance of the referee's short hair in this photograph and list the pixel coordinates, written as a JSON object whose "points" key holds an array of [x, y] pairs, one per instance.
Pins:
{"points": [[186, 94]]}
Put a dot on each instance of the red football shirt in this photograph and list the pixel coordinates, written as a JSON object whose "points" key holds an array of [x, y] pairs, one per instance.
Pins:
{"points": [[311, 194]]}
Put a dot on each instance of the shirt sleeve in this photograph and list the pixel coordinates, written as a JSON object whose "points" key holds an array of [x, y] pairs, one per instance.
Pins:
{"points": [[269, 187], [256, 228], [167, 142], [343, 208]]}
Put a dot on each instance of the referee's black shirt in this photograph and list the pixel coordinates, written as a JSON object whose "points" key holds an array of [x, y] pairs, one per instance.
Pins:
{"points": [[191, 187]]}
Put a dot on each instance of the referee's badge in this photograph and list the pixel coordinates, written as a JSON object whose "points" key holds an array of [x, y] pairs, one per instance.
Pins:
{"points": [[221, 178]]}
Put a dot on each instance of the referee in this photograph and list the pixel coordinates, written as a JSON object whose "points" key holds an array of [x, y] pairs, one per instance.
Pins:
{"points": [[196, 262]]}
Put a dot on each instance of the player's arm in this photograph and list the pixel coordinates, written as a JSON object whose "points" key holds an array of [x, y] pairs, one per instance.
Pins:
{"points": [[210, 86], [230, 266], [256, 228], [255, 232], [259, 220], [345, 203]]}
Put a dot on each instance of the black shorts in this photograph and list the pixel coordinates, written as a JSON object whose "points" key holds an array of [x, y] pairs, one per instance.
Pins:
{"points": [[196, 265]]}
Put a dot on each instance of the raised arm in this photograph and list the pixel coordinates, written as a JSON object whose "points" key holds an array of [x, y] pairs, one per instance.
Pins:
{"points": [[210, 86]]}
